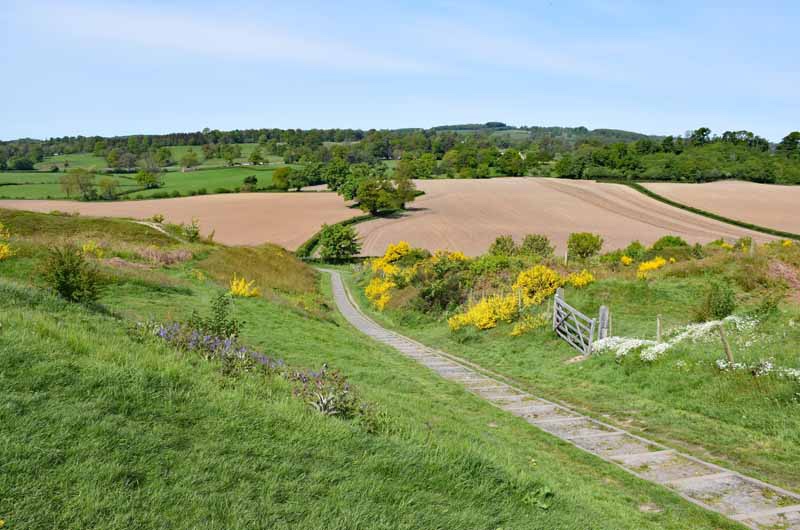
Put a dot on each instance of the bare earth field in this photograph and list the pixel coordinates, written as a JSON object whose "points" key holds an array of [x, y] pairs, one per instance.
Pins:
{"points": [[461, 215], [287, 219], [766, 205], [467, 215]]}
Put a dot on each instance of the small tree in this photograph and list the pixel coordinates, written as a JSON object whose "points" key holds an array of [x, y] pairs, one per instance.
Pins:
{"points": [[82, 180], [536, 245], [250, 183], [503, 246], [338, 243], [163, 156], [280, 178], [297, 179], [70, 275], [149, 178], [374, 195], [584, 244], [189, 159], [255, 157], [405, 191], [109, 187]]}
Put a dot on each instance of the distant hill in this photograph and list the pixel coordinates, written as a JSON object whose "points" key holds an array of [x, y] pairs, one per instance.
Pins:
{"points": [[569, 135]]}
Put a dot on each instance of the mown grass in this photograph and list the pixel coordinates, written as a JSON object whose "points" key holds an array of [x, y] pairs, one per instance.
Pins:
{"points": [[103, 431], [749, 424]]}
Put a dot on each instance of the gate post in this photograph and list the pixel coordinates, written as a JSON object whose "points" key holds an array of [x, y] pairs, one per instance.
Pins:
{"points": [[603, 320], [559, 294]]}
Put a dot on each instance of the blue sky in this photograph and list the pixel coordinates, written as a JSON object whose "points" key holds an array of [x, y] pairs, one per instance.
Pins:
{"points": [[91, 67]]}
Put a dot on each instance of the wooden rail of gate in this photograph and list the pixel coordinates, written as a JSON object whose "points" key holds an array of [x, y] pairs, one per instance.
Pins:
{"points": [[577, 329]]}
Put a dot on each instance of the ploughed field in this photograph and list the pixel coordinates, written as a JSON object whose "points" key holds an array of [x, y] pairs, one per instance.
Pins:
{"points": [[467, 215], [286, 219], [464, 215], [766, 205]]}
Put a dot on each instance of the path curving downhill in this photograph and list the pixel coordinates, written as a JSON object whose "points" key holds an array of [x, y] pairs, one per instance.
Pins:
{"points": [[749, 501]]}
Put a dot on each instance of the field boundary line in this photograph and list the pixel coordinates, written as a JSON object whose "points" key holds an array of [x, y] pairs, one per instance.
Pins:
{"points": [[705, 213], [512, 397]]}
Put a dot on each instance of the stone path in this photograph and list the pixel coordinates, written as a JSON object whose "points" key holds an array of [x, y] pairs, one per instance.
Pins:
{"points": [[747, 500]]}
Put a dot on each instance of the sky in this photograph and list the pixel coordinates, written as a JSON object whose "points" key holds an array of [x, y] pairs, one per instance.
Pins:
{"points": [[147, 67]]}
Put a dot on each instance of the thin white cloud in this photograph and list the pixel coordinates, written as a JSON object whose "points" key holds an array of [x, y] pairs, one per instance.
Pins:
{"points": [[168, 31]]}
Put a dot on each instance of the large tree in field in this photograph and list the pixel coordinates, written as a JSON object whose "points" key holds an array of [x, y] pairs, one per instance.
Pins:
{"points": [[189, 159], [790, 145]]}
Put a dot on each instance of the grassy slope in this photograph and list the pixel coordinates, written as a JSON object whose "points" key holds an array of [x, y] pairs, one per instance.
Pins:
{"points": [[751, 426], [104, 432]]}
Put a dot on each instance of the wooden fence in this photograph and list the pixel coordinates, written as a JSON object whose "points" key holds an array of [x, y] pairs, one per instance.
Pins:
{"points": [[577, 329]]}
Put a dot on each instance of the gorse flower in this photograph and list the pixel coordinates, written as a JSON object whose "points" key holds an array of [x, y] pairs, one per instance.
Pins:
{"points": [[486, 313], [6, 251], [649, 266], [787, 243], [243, 288], [626, 260], [91, 248], [384, 264], [537, 284], [529, 323], [378, 292], [580, 279]]}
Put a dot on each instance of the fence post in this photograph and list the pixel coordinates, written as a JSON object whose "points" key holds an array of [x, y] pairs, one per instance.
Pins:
{"points": [[658, 329], [566, 257], [603, 331]]}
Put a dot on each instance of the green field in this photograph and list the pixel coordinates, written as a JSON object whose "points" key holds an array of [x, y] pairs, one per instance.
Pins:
{"points": [[749, 423], [84, 160], [46, 185], [105, 430]]}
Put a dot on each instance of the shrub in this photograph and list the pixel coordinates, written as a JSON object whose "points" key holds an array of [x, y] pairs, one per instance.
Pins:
{"points": [[6, 251], [626, 260], [192, 230], [647, 267], [70, 275], [490, 264], [440, 294], [91, 248], [329, 393], [338, 243], [635, 250], [719, 302], [584, 244], [486, 313], [378, 292], [537, 284], [669, 241], [580, 279], [220, 322], [242, 288], [157, 218], [530, 323], [503, 246], [536, 245]]}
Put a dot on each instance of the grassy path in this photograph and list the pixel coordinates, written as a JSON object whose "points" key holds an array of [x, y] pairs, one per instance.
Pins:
{"points": [[744, 499]]}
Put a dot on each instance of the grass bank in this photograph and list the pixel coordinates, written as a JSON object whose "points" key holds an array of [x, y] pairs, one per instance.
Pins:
{"points": [[102, 430]]}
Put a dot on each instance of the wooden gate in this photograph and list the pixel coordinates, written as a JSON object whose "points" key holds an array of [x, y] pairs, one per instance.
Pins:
{"points": [[574, 327]]}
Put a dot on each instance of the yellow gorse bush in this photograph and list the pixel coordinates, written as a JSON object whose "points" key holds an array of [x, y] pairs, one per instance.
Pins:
{"points": [[91, 248], [537, 284], [5, 251], [486, 313], [529, 323], [384, 264], [378, 292], [241, 287], [649, 266], [440, 255], [787, 243], [726, 245], [5, 233], [580, 279], [626, 260]]}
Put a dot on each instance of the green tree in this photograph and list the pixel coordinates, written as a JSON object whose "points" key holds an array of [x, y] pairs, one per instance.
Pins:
{"points": [[338, 243], [149, 178], [405, 191], [511, 163], [375, 194], [112, 158], [99, 148], [256, 158], [584, 244], [189, 159], [503, 246], [280, 178], [335, 173], [297, 179], [163, 157], [789, 146], [536, 245], [109, 187]]}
